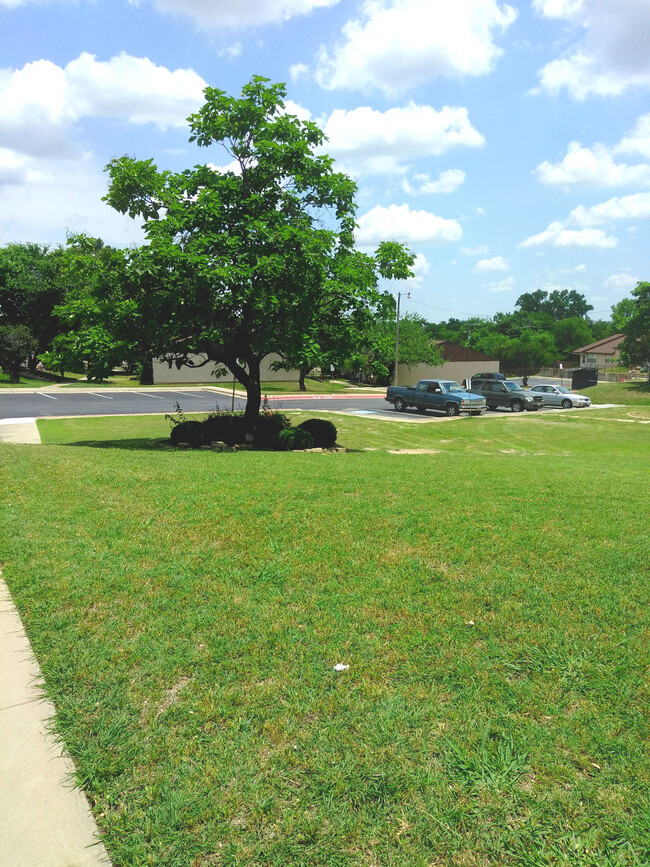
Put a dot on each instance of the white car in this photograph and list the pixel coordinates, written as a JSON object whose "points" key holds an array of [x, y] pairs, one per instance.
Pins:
{"points": [[559, 395]]}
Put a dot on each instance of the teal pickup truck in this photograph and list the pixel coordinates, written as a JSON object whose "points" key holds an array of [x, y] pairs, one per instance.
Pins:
{"points": [[443, 395]]}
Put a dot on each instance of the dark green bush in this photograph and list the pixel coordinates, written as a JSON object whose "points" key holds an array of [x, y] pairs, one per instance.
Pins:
{"points": [[187, 432], [294, 438], [226, 427], [269, 426], [323, 432]]}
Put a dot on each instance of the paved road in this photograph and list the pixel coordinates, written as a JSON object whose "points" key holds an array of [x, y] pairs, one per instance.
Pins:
{"points": [[63, 402], [44, 404]]}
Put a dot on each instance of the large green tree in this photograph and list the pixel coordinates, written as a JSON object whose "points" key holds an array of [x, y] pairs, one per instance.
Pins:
{"points": [[635, 349], [106, 315], [30, 288], [236, 257]]}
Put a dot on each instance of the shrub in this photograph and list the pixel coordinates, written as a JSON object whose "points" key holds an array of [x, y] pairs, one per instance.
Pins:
{"points": [[294, 438], [227, 427], [269, 426], [187, 432], [323, 432]]}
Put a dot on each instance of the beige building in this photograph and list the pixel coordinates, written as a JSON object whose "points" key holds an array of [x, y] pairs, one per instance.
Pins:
{"points": [[460, 363], [602, 353], [163, 374]]}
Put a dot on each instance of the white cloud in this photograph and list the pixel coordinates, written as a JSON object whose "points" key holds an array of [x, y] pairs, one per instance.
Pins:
{"points": [[481, 250], [399, 223], [40, 102], [395, 44], [592, 167], [498, 263], [66, 196], [638, 140], [578, 231], [239, 13], [634, 207], [133, 88], [232, 51], [365, 140], [622, 282], [506, 285], [447, 182], [611, 53], [556, 235], [297, 71]]}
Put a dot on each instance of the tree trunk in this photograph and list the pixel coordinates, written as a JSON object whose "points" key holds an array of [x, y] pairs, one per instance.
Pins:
{"points": [[146, 373], [253, 394], [301, 379]]}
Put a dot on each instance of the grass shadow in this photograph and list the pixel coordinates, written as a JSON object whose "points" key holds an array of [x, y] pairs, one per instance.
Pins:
{"points": [[142, 444]]}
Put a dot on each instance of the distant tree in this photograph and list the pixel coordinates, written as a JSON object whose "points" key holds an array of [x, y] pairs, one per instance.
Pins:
{"points": [[16, 343], [106, 317], [635, 349], [30, 287], [559, 304], [571, 333], [622, 312], [375, 353], [526, 354], [238, 258]]}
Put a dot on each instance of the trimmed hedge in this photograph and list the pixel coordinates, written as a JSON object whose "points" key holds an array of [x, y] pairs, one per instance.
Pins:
{"points": [[323, 432], [187, 432], [293, 439], [273, 431], [226, 427]]}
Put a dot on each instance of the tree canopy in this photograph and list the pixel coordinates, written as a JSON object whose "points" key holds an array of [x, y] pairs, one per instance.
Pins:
{"points": [[30, 287], [635, 349], [253, 258]]}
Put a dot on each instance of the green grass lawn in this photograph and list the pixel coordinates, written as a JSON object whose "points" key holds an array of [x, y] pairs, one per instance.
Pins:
{"points": [[26, 381], [488, 593], [619, 392]]}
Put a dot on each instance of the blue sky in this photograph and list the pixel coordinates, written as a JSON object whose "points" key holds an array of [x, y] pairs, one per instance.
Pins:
{"points": [[508, 144]]}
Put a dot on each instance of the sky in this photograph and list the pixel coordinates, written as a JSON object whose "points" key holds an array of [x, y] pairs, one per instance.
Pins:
{"points": [[506, 143]]}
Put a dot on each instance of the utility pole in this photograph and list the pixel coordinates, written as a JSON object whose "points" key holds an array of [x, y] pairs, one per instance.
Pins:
{"points": [[399, 295]]}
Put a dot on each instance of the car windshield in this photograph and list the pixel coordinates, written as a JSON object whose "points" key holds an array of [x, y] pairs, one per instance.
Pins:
{"points": [[451, 386], [562, 389], [512, 386]]}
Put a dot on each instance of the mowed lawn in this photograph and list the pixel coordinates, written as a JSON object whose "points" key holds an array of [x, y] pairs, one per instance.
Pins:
{"points": [[488, 592]]}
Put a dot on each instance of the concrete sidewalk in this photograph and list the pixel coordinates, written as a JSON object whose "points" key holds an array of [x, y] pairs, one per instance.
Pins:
{"points": [[19, 430], [43, 821]]}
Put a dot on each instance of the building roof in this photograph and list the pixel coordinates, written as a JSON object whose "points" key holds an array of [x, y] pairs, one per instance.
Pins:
{"points": [[454, 352], [603, 347]]}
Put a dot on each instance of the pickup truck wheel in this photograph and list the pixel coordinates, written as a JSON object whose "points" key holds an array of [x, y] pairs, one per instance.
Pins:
{"points": [[517, 406], [451, 409], [399, 404]]}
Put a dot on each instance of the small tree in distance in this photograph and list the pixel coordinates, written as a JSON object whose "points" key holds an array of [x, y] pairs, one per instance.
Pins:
{"points": [[251, 259]]}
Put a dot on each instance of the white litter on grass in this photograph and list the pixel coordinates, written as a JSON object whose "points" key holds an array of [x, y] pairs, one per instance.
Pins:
{"points": [[341, 667], [469, 623]]}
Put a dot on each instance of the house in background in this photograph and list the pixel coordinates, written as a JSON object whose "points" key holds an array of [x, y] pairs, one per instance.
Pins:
{"points": [[602, 353], [460, 363]]}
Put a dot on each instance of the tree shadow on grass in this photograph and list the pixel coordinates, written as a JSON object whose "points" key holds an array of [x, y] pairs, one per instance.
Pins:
{"points": [[143, 444]]}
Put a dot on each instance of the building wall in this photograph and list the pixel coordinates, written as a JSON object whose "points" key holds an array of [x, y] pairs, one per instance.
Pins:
{"points": [[458, 370], [599, 359], [164, 374]]}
